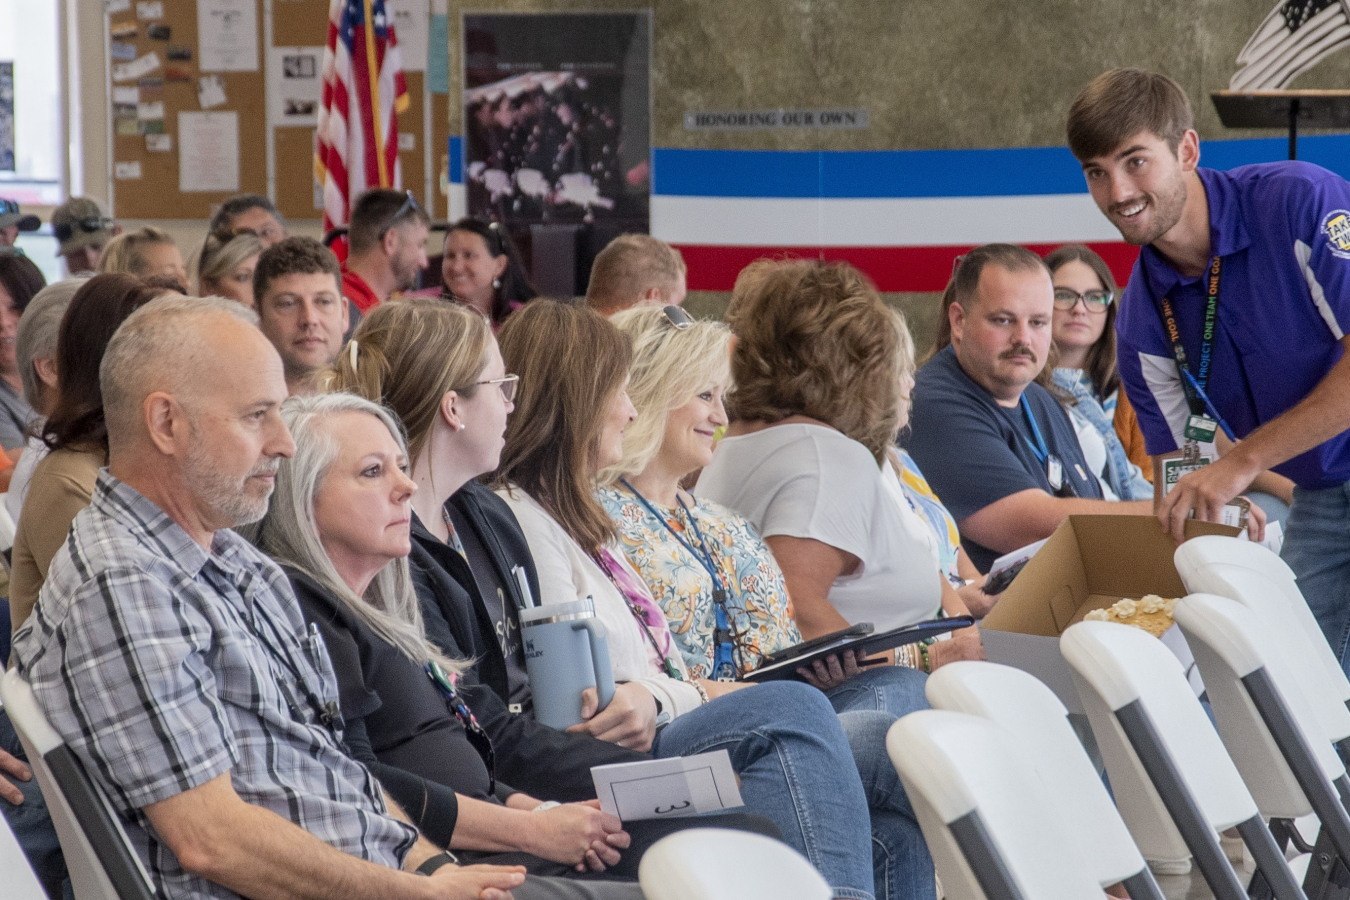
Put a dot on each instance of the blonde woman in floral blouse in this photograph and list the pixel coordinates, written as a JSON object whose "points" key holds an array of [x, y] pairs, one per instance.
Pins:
{"points": [[702, 561]]}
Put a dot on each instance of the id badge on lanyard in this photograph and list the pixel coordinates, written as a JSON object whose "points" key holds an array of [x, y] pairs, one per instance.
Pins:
{"points": [[1204, 421]]}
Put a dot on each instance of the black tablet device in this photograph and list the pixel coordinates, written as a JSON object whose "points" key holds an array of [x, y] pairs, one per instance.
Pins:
{"points": [[784, 664]]}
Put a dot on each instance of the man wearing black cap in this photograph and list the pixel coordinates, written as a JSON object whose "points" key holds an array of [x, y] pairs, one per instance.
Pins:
{"points": [[12, 222], [83, 230]]}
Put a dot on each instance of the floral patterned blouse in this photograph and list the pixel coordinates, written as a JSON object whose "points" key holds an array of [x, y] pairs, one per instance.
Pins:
{"points": [[758, 608], [931, 510]]}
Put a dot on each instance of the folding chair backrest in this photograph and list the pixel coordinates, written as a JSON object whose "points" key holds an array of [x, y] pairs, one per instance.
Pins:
{"points": [[989, 826], [1264, 583], [100, 859], [1116, 665], [719, 864], [1230, 642], [1031, 712]]}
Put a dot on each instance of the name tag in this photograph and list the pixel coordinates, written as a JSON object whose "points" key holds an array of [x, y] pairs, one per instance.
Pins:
{"points": [[1054, 472], [1200, 429]]}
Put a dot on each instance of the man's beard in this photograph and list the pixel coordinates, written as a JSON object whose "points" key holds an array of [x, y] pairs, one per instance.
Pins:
{"points": [[405, 274], [226, 496]]}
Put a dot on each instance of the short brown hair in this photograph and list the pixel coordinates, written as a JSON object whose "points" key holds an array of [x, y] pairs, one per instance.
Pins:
{"points": [[408, 355], [815, 339], [293, 256], [571, 363], [628, 267], [965, 283], [375, 212], [1117, 105]]}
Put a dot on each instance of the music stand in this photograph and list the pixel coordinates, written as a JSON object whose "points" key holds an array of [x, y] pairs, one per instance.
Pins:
{"points": [[1283, 109]]}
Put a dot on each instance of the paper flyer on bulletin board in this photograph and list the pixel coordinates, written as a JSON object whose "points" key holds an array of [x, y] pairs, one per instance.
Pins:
{"points": [[294, 85], [412, 18], [227, 35], [208, 151]]}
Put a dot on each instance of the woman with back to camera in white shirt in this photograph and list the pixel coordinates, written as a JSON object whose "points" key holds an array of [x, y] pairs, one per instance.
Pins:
{"points": [[821, 388]]}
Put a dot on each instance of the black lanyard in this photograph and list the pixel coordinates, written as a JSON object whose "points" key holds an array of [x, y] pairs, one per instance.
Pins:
{"points": [[473, 732], [723, 638], [1194, 384]]}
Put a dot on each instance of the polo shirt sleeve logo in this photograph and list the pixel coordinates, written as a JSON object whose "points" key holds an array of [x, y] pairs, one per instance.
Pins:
{"points": [[1336, 226]]}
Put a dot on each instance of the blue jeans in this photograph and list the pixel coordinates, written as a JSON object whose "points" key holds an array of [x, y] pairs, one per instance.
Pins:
{"points": [[791, 753], [867, 705], [31, 822], [1317, 548]]}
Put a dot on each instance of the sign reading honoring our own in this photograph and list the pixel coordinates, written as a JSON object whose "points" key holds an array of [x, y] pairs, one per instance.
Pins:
{"points": [[755, 119]]}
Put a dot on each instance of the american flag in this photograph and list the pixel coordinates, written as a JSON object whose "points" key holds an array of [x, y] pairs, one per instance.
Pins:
{"points": [[1297, 35], [363, 92]]}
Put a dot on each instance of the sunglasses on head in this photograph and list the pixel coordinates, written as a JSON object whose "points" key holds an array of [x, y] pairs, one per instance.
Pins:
{"points": [[409, 205], [677, 317], [88, 225], [8, 207]]}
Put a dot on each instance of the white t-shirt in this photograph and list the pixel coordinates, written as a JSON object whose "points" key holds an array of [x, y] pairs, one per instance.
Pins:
{"points": [[34, 449], [567, 574], [811, 481]]}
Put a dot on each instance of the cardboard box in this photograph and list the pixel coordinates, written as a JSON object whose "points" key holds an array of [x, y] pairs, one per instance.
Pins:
{"points": [[1089, 563]]}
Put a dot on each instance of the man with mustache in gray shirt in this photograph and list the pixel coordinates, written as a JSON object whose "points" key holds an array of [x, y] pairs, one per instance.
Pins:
{"points": [[994, 445]]}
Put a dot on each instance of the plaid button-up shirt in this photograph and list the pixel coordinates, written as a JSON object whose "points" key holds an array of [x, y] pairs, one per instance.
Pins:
{"points": [[164, 666]]}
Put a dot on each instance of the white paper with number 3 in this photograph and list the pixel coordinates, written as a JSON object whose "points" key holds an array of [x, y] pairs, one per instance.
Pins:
{"points": [[667, 788]]}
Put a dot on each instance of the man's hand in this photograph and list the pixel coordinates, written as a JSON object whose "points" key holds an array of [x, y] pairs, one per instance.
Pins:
{"points": [[1207, 491], [476, 882], [629, 720], [578, 833], [11, 766], [964, 644]]}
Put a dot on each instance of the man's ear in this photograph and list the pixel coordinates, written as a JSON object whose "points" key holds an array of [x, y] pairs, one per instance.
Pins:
{"points": [[389, 243], [165, 422], [653, 295], [956, 318], [1188, 150]]}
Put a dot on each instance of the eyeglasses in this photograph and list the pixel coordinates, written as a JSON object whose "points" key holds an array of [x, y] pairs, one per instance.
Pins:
{"points": [[89, 225], [508, 384], [1093, 301], [408, 206], [677, 317]]}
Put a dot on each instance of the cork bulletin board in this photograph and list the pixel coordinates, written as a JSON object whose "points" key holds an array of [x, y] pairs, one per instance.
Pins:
{"points": [[159, 71], [165, 91]]}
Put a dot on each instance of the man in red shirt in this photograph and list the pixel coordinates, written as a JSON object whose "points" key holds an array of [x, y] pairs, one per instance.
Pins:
{"points": [[387, 238]]}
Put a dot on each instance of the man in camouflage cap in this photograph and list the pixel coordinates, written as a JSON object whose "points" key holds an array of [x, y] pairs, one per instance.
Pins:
{"points": [[83, 230], [12, 222]]}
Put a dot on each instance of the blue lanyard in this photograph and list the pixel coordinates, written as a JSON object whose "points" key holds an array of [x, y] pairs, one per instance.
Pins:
{"points": [[723, 666], [1039, 448]]}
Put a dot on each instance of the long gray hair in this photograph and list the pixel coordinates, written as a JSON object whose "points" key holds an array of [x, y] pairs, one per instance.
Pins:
{"points": [[289, 532]]}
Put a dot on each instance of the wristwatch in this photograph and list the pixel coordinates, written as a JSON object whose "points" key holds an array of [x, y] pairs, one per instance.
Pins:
{"points": [[440, 859]]}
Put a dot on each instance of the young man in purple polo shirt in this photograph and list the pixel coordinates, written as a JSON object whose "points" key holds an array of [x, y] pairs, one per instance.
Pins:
{"points": [[1233, 319]]}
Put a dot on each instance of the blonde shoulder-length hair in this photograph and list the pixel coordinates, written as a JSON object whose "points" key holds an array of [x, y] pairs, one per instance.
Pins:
{"points": [[671, 366], [289, 533]]}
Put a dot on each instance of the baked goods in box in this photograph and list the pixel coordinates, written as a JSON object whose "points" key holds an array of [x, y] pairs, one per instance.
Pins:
{"points": [[1151, 613]]}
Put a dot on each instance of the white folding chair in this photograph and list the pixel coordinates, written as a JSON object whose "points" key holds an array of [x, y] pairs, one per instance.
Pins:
{"points": [[1030, 711], [21, 883], [719, 864], [1137, 697], [1264, 583], [99, 858], [1271, 729], [983, 812]]}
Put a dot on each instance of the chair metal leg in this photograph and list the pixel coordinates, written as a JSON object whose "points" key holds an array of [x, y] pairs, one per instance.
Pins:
{"points": [[983, 857], [1269, 859], [1200, 838], [1143, 886], [1327, 878], [1285, 732]]}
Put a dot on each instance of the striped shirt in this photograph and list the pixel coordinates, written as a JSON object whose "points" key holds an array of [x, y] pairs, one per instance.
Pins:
{"points": [[163, 666]]}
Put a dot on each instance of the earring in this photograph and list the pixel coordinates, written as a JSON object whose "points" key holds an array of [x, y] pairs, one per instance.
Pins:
{"points": [[496, 283], [461, 427]]}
